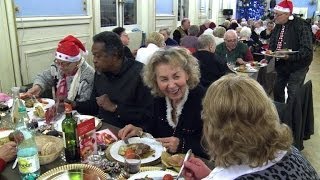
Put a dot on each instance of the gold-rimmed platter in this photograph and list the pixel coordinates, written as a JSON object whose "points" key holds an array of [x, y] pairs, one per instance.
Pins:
{"points": [[75, 171]]}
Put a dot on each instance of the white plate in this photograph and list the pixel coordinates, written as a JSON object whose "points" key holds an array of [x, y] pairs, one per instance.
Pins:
{"points": [[155, 145], [58, 123], [248, 70], [273, 54], [5, 133], [262, 64], [51, 102], [286, 51], [151, 174]]}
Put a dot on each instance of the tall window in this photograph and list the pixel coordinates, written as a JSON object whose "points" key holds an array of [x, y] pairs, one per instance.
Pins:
{"points": [[118, 12], [164, 7], [183, 9], [130, 12]]}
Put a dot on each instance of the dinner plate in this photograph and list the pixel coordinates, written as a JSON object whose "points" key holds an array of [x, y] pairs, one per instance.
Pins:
{"points": [[286, 51], [4, 136], [51, 102], [155, 145], [58, 123], [273, 54], [262, 64], [247, 70], [156, 175]]}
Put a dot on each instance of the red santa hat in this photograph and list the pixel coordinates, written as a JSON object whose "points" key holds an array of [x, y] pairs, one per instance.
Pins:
{"points": [[284, 6], [70, 49]]}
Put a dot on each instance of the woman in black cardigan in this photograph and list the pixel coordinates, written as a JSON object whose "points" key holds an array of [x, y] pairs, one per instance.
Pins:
{"points": [[173, 76]]}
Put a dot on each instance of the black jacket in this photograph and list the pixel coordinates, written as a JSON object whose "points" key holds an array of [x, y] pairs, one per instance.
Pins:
{"points": [[189, 127], [127, 90], [212, 67], [298, 37]]}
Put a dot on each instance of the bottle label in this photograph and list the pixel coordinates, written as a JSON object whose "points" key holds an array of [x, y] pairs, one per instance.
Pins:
{"points": [[29, 164]]}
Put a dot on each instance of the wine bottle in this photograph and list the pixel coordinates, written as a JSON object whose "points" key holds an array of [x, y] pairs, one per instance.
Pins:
{"points": [[69, 128]]}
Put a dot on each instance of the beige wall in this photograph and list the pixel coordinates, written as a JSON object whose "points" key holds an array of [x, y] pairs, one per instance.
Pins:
{"points": [[8, 49]]}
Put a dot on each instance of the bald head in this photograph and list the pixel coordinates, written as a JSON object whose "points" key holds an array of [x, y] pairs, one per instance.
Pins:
{"points": [[231, 39]]}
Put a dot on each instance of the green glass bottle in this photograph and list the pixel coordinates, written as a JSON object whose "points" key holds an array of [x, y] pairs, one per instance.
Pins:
{"points": [[69, 128]]}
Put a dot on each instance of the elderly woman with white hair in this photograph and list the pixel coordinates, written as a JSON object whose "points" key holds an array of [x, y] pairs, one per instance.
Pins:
{"points": [[70, 75]]}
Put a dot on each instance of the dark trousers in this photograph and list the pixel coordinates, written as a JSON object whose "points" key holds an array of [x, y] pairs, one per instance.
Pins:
{"points": [[291, 80]]}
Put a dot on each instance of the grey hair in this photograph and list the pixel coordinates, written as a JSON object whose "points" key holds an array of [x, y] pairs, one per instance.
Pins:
{"points": [[193, 30], [167, 30], [245, 32], [219, 32], [205, 40], [230, 32]]}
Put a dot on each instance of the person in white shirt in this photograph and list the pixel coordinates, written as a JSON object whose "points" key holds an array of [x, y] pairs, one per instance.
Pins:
{"points": [[258, 26], [243, 135], [154, 42], [315, 27]]}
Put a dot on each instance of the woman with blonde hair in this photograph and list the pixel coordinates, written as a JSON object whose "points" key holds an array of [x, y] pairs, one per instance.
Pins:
{"points": [[154, 42], [173, 77], [244, 136]]}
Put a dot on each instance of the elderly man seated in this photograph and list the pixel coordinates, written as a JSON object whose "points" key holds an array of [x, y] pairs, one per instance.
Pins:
{"points": [[212, 67], [233, 50]]}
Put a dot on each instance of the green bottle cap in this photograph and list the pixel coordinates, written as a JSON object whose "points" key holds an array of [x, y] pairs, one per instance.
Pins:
{"points": [[22, 109]]}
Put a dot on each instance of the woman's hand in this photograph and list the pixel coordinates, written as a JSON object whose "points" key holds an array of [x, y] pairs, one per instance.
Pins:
{"points": [[171, 143], [8, 151], [195, 168], [129, 131], [34, 91]]}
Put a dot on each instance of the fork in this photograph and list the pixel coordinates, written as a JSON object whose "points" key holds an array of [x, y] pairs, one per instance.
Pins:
{"points": [[126, 141]]}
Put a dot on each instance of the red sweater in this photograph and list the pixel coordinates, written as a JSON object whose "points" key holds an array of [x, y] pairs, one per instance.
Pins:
{"points": [[2, 165]]}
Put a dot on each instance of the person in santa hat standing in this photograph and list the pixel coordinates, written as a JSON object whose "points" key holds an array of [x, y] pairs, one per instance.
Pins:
{"points": [[70, 75], [290, 33]]}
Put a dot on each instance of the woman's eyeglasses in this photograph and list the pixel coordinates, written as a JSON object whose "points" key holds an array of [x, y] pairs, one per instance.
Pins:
{"points": [[62, 63]]}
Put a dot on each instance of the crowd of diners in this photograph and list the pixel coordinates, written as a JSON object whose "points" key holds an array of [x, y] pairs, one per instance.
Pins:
{"points": [[180, 90]]}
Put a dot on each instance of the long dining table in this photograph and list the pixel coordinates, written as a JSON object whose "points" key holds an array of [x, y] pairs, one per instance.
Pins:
{"points": [[13, 174]]}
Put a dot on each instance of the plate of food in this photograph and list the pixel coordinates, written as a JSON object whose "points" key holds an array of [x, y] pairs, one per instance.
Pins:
{"points": [[154, 175], [245, 69], [273, 54], [147, 149], [286, 51]]}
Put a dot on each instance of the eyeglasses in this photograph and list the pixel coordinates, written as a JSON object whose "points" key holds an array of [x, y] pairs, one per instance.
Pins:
{"points": [[61, 63], [231, 40]]}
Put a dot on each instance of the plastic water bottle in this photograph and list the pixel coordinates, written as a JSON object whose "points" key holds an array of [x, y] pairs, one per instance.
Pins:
{"points": [[28, 159]]}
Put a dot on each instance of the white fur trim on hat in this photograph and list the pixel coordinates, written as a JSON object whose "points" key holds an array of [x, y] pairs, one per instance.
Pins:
{"points": [[282, 9], [68, 58]]}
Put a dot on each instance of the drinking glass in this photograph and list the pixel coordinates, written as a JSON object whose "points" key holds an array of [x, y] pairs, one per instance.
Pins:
{"points": [[132, 166]]}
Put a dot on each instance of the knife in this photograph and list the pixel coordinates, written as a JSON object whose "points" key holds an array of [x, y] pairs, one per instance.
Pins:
{"points": [[186, 158]]}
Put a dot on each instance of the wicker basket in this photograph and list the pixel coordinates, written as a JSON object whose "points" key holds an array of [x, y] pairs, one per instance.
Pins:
{"points": [[58, 147]]}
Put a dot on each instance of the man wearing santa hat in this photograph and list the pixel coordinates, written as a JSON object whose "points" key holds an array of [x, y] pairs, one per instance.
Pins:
{"points": [[290, 34], [70, 75]]}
